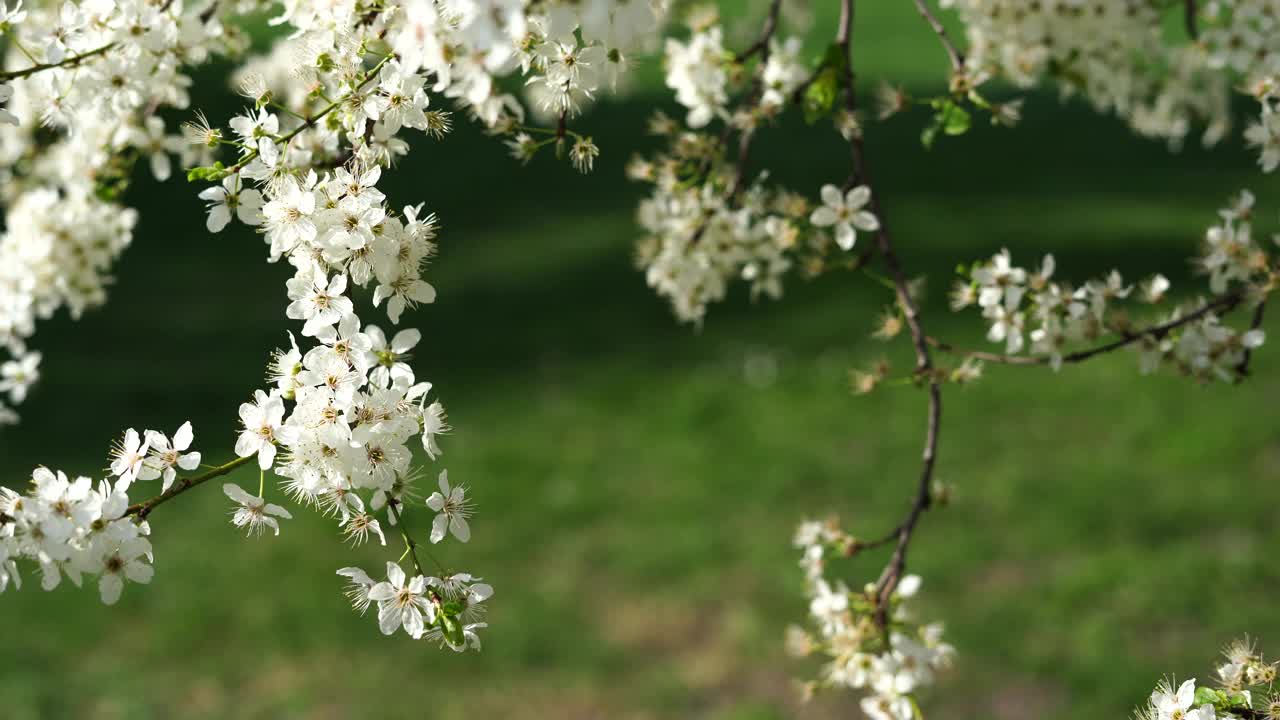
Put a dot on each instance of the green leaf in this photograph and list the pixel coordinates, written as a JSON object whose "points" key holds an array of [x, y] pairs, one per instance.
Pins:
{"points": [[821, 94], [928, 135], [210, 173], [1209, 696], [452, 630], [954, 119]]}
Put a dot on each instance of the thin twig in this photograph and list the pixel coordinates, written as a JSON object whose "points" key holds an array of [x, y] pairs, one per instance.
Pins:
{"points": [[761, 45], [1190, 13], [143, 509], [1225, 303], [410, 544], [311, 120], [957, 57], [68, 61]]}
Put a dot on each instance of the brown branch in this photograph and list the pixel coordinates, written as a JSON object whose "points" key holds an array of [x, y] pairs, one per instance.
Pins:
{"points": [[1190, 11], [144, 508], [894, 570], [761, 45], [68, 61], [1225, 303], [957, 57]]}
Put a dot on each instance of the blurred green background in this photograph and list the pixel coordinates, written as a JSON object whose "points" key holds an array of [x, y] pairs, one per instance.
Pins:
{"points": [[638, 481]]}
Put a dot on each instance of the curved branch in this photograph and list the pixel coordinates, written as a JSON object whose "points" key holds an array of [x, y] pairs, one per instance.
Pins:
{"points": [[761, 45], [894, 570], [957, 57], [144, 508]]}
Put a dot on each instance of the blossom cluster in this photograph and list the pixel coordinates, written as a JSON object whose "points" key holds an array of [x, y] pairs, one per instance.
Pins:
{"points": [[341, 410], [444, 610], [1115, 53], [1192, 338], [891, 662], [69, 527], [708, 221], [74, 528], [80, 88], [1245, 688], [83, 82]]}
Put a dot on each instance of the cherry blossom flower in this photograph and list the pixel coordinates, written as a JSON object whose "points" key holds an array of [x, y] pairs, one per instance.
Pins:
{"points": [[262, 420], [452, 508], [17, 376], [166, 457], [252, 512], [403, 603], [229, 198], [126, 558], [844, 212], [128, 457], [388, 359]]}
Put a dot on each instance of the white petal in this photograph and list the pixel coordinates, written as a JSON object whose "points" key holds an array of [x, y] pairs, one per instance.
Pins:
{"points": [[438, 527], [219, 216], [823, 217], [139, 572], [864, 220], [405, 340], [413, 623], [460, 528], [388, 618], [845, 236], [110, 586], [395, 575], [858, 197], [831, 196], [436, 502], [266, 455], [237, 494], [182, 439]]}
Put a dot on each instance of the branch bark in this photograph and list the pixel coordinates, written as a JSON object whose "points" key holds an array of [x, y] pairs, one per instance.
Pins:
{"points": [[894, 570], [69, 61], [957, 57], [143, 509]]}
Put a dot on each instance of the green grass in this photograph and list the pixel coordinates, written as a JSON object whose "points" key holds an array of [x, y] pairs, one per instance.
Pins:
{"points": [[637, 485]]}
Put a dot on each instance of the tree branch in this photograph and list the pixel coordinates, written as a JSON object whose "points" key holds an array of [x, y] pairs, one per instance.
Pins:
{"points": [[957, 57], [1190, 13], [143, 509], [1225, 303], [894, 570], [761, 45], [65, 62]]}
